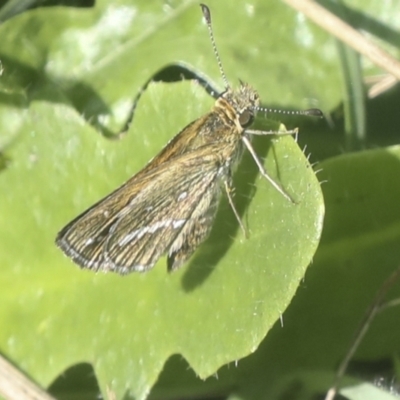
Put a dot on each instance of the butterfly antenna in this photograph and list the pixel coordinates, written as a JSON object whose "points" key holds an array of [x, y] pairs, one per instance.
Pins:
{"points": [[207, 15], [314, 112]]}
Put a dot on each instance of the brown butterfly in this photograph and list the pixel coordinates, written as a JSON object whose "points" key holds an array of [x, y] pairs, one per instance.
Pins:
{"points": [[170, 205]]}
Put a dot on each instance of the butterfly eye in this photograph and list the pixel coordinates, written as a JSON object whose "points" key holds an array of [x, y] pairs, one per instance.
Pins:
{"points": [[246, 118]]}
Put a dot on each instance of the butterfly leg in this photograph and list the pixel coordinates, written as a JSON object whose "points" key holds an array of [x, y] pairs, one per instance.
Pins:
{"points": [[278, 133], [263, 172], [229, 190]]}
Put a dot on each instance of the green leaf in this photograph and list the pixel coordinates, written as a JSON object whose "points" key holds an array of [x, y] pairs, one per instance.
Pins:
{"points": [[367, 391], [357, 253], [304, 385], [103, 56], [217, 308]]}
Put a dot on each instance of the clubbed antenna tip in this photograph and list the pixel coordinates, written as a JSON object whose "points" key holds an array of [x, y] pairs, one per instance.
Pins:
{"points": [[314, 112], [206, 13]]}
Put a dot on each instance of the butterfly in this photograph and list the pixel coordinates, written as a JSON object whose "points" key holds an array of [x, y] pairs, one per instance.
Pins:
{"points": [[170, 205]]}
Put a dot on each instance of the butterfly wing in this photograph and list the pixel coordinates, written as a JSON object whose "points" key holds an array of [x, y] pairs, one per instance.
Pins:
{"points": [[131, 228]]}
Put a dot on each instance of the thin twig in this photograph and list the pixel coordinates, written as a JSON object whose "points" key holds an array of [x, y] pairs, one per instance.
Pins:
{"points": [[347, 34], [383, 85], [375, 307], [14, 385]]}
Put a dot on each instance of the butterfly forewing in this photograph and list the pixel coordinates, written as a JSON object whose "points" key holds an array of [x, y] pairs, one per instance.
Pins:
{"points": [[136, 235]]}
